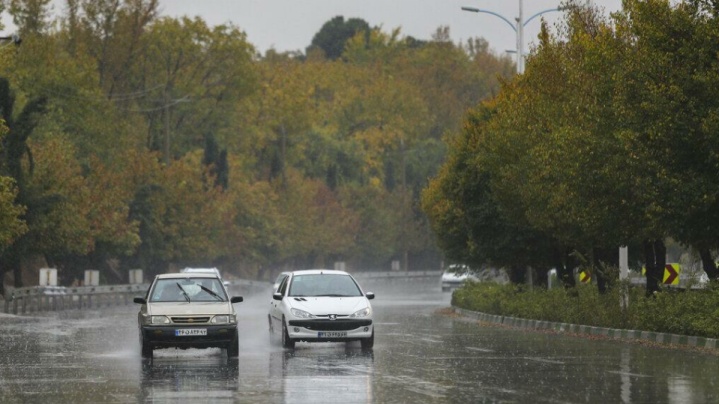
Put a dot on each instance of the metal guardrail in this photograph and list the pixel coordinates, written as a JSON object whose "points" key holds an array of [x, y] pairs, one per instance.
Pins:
{"points": [[54, 298], [38, 299], [397, 274]]}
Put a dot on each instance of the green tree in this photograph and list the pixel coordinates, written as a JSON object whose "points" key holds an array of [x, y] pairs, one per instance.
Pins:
{"points": [[30, 16], [670, 86], [472, 227], [202, 73], [15, 148], [335, 33]]}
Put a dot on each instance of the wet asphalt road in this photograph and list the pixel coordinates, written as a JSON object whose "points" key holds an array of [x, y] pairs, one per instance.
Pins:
{"points": [[420, 356]]}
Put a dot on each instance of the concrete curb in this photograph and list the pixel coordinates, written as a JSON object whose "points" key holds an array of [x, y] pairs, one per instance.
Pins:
{"points": [[658, 337]]}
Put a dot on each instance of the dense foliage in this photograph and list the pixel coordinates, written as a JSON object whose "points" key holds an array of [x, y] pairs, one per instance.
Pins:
{"points": [[608, 139], [140, 141]]}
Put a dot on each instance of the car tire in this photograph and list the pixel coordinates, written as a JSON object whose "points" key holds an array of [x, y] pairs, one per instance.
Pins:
{"points": [[233, 348], [145, 348], [287, 342], [368, 343]]}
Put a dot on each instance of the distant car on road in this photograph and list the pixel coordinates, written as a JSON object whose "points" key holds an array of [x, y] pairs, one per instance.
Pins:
{"points": [[206, 270], [187, 310], [321, 305], [455, 276]]}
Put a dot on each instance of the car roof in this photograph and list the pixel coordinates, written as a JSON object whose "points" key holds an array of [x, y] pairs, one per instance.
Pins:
{"points": [[185, 275], [319, 271], [215, 270]]}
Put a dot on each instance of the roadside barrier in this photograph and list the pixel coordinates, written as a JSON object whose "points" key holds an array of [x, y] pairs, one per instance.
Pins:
{"points": [[55, 298], [403, 275], [38, 299], [612, 333]]}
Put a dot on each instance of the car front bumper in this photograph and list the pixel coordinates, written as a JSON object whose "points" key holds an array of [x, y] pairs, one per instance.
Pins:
{"points": [[218, 336], [327, 330]]}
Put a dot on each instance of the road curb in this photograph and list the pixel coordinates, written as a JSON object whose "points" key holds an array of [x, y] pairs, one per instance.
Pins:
{"points": [[658, 337]]}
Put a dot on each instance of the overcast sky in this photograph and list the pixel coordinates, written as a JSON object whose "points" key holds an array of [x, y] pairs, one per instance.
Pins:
{"points": [[288, 25]]}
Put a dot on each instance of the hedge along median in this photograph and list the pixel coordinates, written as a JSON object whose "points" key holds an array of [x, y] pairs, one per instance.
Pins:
{"points": [[679, 317]]}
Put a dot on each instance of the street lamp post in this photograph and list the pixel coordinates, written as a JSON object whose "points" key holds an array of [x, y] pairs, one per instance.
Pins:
{"points": [[518, 28]]}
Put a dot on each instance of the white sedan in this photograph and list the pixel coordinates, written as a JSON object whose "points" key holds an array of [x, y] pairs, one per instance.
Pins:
{"points": [[320, 305], [455, 276]]}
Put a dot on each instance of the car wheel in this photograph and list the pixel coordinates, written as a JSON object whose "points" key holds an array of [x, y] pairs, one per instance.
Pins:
{"points": [[368, 343], [146, 348], [233, 348], [287, 342]]}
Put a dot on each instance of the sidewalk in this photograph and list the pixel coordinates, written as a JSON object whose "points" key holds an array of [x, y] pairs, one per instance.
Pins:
{"points": [[662, 338]]}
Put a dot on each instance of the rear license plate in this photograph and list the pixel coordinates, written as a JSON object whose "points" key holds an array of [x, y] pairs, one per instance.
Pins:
{"points": [[332, 334], [188, 332]]}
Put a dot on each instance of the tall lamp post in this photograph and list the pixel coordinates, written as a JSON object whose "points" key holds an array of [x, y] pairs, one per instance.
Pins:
{"points": [[518, 28]]}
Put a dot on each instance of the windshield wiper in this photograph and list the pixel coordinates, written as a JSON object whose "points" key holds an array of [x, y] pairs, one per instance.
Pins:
{"points": [[209, 291], [183, 292]]}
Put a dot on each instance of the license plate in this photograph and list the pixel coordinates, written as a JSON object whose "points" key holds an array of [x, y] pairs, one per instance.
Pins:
{"points": [[332, 334], [188, 332]]}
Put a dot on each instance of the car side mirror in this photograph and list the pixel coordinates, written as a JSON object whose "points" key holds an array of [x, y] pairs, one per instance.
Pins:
{"points": [[139, 300], [277, 296], [369, 295], [236, 299]]}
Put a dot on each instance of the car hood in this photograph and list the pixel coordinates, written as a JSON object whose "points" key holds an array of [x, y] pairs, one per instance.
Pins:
{"points": [[320, 306], [184, 309]]}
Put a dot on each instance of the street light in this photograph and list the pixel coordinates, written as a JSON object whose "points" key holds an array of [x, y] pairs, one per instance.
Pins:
{"points": [[518, 28]]}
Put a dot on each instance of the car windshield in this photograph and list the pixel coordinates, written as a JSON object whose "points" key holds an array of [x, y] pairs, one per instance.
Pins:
{"points": [[324, 285], [188, 290]]}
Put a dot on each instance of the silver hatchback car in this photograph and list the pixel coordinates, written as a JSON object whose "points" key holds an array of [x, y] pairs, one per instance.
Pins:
{"points": [[187, 310]]}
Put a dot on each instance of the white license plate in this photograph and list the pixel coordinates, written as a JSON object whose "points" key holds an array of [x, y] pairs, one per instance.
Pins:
{"points": [[188, 332], [332, 334]]}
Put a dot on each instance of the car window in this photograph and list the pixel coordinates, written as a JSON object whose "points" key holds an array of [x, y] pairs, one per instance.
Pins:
{"points": [[324, 285], [279, 280], [192, 289], [283, 286]]}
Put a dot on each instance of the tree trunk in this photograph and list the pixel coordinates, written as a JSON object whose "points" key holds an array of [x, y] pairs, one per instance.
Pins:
{"points": [[655, 258], [605, 259], [708, 264], [565, 264], [517, 275], [3, 270]]}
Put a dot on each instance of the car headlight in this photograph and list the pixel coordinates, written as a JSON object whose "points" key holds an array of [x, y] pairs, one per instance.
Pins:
{"points": [[223, 319], [159, 320], [301, 313], [361, 313]]}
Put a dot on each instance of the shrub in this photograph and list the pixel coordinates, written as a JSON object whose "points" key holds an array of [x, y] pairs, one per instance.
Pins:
{"points": [[692, 312]]}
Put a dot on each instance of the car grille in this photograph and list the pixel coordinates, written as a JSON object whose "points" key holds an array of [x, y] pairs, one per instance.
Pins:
{"points": [[330, 325], [190, 320]]}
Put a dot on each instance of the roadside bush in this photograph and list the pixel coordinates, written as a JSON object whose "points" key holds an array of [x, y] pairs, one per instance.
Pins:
{"points": [[694, 312]]}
